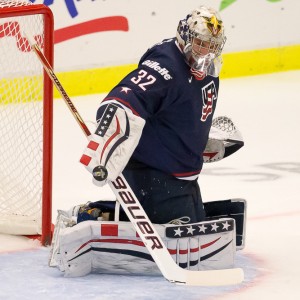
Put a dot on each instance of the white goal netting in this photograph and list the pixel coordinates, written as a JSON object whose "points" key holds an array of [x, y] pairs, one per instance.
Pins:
{"points": [[21, 123]]}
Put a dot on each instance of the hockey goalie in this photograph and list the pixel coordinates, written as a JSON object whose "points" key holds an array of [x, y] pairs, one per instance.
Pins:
{"points": [[157, 128]]}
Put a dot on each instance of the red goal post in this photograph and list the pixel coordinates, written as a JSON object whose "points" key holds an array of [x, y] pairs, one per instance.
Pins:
{"points": [[26, 117]]}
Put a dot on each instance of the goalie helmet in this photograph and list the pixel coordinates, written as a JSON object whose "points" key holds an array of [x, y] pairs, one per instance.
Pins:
{"points": [[201, 38]]}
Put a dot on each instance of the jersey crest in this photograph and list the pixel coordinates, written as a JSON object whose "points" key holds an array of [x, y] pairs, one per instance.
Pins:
{"points": [[209, 95]]}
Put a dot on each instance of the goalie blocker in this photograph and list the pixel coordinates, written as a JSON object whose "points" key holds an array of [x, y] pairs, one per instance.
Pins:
{"points": [[114, 247], [110, 147]]}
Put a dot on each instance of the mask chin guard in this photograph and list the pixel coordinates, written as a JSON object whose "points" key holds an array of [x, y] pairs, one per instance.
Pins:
{"points": [[205, 65]]}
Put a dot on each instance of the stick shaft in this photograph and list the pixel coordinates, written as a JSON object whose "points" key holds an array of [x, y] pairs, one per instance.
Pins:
{"points": [[60, 88]]}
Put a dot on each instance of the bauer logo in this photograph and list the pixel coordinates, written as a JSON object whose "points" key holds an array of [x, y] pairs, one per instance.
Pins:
{"points": [[156, 66], [138, 217]]}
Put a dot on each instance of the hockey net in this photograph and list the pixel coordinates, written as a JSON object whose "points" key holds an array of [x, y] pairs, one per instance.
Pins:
{"points": [[25, 121]]}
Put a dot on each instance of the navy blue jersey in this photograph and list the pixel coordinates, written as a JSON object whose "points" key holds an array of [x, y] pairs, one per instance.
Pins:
{"points": [[178, 110]]}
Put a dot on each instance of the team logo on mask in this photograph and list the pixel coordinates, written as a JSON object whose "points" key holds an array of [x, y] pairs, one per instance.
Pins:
{"points": [[209, 95], [214, 25]]}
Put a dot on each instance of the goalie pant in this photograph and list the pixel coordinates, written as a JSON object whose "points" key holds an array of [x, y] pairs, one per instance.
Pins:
{"points": [[115, 248]]}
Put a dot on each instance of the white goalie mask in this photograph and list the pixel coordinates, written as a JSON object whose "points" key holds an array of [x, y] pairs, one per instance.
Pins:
{"points": [[201, 38]]}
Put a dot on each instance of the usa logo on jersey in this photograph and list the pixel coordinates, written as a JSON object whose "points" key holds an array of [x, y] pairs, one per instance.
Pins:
{"points": [[209, 95]]}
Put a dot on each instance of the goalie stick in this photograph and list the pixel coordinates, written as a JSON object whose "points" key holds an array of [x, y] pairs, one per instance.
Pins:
{"points": [[137, 216]]}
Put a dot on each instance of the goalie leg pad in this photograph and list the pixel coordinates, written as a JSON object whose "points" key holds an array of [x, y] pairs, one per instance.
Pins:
{"points": [[115, 248], [231, 208]]}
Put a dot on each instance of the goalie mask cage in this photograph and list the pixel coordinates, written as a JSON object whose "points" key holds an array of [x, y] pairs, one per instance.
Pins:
{"points": [[26, 112]]}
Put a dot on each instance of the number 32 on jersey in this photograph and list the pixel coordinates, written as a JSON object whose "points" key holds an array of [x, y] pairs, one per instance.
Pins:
{"points": [[143, 79]]}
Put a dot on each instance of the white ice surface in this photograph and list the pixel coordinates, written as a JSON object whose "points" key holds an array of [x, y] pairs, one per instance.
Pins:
{"points": [[266, 172]]}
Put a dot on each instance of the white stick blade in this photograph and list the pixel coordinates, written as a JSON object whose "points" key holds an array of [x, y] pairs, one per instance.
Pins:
{"points": [[214, 277]]}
